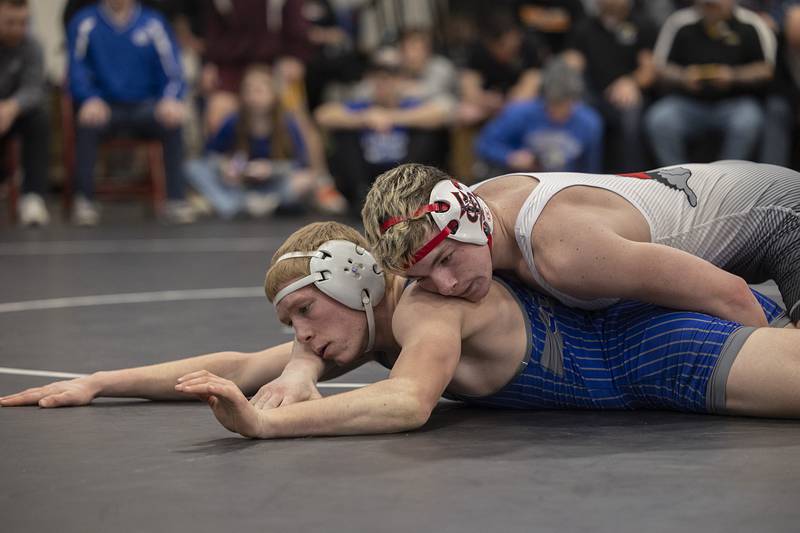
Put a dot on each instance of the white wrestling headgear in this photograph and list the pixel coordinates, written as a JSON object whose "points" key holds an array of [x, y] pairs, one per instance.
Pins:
{"points": [[347, 273], [459, 214]]}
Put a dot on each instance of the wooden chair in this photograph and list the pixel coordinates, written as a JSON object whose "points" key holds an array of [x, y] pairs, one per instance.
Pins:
{"points": [[151, 187]]}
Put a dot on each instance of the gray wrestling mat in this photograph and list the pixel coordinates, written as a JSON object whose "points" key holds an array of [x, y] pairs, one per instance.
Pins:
{"points": [[132, 466]]}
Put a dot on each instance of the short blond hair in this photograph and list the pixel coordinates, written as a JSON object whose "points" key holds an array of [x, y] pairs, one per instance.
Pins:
{"points": [[306, 239], [400, 191]]}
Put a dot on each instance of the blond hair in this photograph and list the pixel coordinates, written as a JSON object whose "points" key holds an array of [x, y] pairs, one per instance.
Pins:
{"points": [[400, 191], [306, 239]]}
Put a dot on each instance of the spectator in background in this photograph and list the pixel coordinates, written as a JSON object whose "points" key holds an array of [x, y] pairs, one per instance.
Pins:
{"points": [[334, 57], [553, 133], [552, 19], [714, 59], [503, 66], [431, 75], [783, 101], [258, 160], [614, 48], [23, 108], [381, 128], [125, 77], [240, 33]]}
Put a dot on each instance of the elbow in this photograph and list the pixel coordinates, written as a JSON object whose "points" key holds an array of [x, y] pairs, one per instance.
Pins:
{"points": [[416, 412], [742, 304], [416, 408], [740, 293]]}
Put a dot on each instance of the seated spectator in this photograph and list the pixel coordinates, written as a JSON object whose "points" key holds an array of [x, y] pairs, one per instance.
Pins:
{"points": [[502, 67], [381, 128], [333, 58], [615, 50], [258, 160], [125, 78], [552, 133], [552, 19], [23, 109], [240, 33], [783, 101], [431, 75], [714, 60]]}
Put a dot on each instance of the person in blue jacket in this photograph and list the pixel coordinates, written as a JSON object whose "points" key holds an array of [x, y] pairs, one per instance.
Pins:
{"points": [[125, 77], [384, 124], [555, 132]]}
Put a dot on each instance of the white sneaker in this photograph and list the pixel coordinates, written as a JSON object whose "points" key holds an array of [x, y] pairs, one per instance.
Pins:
{"points": [[84, 212], [260, 205], [179, 212], [32, 210]]}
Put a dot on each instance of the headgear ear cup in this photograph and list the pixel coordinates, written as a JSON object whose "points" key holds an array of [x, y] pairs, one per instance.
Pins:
{"points": [[347, 273], [468, 210]]}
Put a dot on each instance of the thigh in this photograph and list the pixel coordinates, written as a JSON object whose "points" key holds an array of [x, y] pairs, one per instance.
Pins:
{"points": [[743, 112], [765, 377], [686, 113]]}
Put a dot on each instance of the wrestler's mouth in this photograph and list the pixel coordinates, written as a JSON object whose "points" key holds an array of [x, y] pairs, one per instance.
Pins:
{"points": [[324, 350], [321, 350]]}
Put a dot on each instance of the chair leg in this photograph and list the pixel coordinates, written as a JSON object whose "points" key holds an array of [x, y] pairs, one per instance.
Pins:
{"points": [[13, 198], [155, 162], [12, 185]]}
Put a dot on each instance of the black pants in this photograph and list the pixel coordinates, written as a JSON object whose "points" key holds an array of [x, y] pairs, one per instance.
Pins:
{"points": [[130, 120], [33, 130], [625, 149], [354, 175]]}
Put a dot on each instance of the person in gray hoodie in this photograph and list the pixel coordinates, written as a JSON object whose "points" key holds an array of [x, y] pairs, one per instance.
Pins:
{"points": [[23, 113]]}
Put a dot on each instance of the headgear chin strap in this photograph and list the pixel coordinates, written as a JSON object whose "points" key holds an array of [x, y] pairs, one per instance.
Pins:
{"points": [[459, 214], [347, 273]]}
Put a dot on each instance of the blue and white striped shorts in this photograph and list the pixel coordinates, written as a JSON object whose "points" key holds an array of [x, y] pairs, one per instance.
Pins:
{"points": [[630, 356]]}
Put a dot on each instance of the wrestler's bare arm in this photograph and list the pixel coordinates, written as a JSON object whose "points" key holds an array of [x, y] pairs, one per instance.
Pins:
{"points": [[157, 382], [402, 402], [593, 261]]}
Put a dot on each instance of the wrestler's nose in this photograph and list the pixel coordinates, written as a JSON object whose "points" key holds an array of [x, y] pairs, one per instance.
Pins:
{"points": [[303, 333], [445, 282]]}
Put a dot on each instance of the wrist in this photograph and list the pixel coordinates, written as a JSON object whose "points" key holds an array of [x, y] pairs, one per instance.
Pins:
{"points": [[99, 383], [266, 424], [304, 369]]}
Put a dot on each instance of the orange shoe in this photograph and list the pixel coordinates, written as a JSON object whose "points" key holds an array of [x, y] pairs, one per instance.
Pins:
{"points": [[329, 200]]}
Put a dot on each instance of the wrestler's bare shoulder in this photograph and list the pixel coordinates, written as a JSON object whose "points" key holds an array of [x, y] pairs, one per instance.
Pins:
{"points": [[510, 186], [496, 310]]}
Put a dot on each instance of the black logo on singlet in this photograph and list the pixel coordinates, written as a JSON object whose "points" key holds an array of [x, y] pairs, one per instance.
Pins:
{"points": [[676, 178]]}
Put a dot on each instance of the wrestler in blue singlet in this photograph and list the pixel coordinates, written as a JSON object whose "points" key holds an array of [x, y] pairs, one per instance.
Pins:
{"points": [[631, 355]]}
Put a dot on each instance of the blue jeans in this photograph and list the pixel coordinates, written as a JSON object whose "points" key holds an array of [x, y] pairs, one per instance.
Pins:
{"points": [[131, 120], [229, 200], [674, 119], [777, 139]]}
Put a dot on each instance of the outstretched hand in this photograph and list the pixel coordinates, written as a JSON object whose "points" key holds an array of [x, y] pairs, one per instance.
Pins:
{"points": [[70, 393], [226, 400]]}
